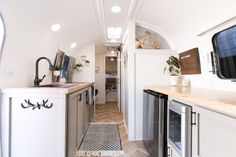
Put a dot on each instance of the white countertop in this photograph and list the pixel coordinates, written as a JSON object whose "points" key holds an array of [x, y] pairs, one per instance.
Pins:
{"points": [[76, 86]]}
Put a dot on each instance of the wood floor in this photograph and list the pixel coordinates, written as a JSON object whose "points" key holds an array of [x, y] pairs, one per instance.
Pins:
{"points": [[109, 113]]}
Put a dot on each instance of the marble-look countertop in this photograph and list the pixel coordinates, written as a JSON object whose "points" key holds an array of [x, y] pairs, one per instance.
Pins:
{"points": [[63, 89], [216, 100]]}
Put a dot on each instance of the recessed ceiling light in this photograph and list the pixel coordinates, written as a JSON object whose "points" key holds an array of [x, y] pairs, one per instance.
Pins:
{"points": [[114, 32], [73, 45], [55, 27], [116, 9]]}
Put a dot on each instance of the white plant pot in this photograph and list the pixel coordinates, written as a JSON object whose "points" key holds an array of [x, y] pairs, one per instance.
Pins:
{"points": [[56, 72], [79, 68], [175, 80]]}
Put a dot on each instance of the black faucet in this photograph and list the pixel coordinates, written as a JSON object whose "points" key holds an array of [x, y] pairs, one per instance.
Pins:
{"points": [[37, 80]]}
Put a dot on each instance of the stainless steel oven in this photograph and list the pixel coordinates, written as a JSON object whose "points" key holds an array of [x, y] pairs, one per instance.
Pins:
{"points": [[180, 127]]}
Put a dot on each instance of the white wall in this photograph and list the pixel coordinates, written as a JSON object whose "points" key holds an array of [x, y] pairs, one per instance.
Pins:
{"points": [[124, 84], [206, 79], [182, 21], [128, 82], [22, 47], [87, 74], [100, 78], [28, 35]]}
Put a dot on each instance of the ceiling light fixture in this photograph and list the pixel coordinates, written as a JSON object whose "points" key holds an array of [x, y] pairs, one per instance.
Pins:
{"points": [[73, 45], [115, 9], [114, 32], [55, 27]]}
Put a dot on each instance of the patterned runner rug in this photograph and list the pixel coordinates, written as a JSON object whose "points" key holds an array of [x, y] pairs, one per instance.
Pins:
{"points": [[101, 139]]}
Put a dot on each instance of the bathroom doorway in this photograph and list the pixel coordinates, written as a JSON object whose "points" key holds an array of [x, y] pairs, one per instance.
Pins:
{"points": [[112, 79]]}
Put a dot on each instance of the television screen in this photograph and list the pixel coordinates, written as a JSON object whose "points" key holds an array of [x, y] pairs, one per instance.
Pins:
{"points": [[224, 44]]}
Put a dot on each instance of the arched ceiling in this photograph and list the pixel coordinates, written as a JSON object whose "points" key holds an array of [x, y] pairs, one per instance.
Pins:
{"points": [[86, 21], [77, 18], [186, 17]]}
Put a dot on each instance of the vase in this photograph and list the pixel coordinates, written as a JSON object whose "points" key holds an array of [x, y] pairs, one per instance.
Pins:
{"points": [[186, 82], [175, 81]]}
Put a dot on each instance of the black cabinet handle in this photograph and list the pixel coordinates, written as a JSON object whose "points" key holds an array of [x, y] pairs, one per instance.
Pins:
{"points": [[79, 97], [193, 118]]}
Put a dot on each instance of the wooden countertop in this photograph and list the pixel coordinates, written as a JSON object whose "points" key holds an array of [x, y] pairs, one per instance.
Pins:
{"points": [[216, 100], [50, 90]]}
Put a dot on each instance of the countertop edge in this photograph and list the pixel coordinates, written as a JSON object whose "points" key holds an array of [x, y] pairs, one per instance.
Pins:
{"points": [[45, 90], [226, 108]]}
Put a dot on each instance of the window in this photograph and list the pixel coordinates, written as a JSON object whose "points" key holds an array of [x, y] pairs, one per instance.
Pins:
{"points": [[2, 34]]}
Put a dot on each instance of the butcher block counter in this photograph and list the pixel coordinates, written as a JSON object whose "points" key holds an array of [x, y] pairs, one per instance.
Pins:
{"points": [[55, 88], [216, 100]]}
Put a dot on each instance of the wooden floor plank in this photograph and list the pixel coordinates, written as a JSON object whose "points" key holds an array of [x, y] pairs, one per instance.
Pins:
{"points": [[109, 113]]}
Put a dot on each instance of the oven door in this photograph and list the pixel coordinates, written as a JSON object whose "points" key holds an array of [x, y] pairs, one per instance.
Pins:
{"points": [[179, 128]]}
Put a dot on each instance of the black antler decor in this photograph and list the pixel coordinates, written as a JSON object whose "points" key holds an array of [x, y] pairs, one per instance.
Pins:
{"points": [[29, 104]]}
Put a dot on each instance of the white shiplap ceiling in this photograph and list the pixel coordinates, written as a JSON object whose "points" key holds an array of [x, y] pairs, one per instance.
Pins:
{"points": [[86, 21]]}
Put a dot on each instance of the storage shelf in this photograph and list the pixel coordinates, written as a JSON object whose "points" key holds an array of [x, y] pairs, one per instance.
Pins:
{"points": [[155, 51]]}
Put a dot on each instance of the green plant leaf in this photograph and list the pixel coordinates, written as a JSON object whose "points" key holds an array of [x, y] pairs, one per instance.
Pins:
{"points": [[173, 66]]}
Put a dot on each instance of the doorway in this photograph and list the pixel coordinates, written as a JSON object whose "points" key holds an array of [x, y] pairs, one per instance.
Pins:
{"points": [[112, 79]]}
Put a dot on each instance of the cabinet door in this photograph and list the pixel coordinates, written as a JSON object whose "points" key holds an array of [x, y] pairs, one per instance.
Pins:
{"points": [[80, 119], [36, 126], [216, 134], [72, 125], [171, 152], [86, 110]]}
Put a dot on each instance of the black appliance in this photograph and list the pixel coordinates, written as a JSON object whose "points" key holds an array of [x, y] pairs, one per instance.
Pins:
{"points": [[155, 123], [224, 44]]}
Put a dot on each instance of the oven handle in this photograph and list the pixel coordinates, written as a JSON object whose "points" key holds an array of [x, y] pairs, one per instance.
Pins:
{"points": [[169, 152]]}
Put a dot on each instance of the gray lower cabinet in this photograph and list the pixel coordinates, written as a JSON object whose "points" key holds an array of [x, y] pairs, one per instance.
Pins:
{"points": [[72, 116], [77, 120], [86, 108], [80, 119]]}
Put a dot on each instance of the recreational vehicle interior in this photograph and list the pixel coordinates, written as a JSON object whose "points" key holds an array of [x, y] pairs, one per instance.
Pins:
{"points": [[129, 78]]}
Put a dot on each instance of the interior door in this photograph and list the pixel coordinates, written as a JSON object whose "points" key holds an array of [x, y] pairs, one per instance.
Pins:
{"points": [[119, 81]]}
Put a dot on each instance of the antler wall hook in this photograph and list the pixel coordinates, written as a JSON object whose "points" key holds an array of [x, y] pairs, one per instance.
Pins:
{"points": [[37, 105]]}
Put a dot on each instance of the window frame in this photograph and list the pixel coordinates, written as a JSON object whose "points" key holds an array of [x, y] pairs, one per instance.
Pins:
{"points": [[4, 36]]}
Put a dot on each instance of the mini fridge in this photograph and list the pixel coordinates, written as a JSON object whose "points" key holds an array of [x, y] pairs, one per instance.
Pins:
{"points": [[155, 123]]}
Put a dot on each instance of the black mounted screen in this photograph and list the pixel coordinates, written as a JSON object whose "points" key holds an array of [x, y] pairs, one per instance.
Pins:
{"points": [[224, 44]]}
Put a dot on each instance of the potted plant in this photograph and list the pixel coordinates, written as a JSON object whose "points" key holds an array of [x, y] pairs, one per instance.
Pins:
{"points": [[56, 70], [79, 66], [173, 67]]}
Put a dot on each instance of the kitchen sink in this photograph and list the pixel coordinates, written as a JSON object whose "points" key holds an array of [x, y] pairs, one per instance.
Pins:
{"points": [[61, 85]]}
